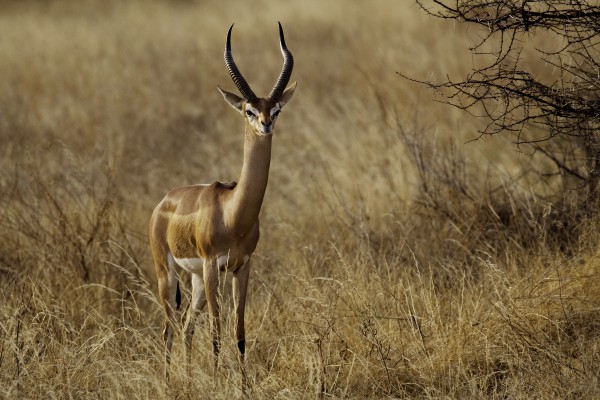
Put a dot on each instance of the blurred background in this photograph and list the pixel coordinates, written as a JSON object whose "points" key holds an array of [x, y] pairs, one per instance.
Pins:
{"points": [[395, 251]]}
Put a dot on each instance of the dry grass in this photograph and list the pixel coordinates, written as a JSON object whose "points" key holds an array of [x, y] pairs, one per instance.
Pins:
{"points": [[395, 261]]}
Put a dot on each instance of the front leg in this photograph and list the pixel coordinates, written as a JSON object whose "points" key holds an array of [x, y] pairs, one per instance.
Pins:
{"points": [[211, 290], [240, 285]]}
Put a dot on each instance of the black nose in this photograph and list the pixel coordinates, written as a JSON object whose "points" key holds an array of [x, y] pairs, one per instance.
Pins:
{"points": [[265, 123]]}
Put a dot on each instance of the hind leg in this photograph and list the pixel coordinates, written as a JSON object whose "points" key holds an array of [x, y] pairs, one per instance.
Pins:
{"points": [[197, 304], [168, 290]]}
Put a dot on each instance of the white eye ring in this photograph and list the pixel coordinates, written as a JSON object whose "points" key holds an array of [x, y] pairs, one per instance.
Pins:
{"points": [[250, 114]]}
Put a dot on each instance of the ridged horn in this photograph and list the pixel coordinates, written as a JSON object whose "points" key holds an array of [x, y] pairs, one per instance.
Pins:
{"points": [[286, 71], [235, 73]]}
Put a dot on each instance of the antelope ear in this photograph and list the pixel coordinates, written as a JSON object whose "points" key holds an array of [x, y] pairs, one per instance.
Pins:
{"points": [[234, 100], [287, 95]]}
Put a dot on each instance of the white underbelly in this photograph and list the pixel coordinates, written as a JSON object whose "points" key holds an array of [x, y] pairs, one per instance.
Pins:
{"points": [[196, 265], [193, 265]]}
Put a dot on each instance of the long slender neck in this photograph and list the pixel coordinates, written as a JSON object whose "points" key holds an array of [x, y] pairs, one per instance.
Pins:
{"points": [[247, 197]]}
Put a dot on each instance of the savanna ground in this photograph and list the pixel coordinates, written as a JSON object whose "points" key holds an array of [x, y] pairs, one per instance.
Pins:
{"points": [[397, 257]]}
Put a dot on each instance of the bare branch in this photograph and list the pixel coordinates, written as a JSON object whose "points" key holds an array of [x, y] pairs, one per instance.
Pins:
{"points": [[513, 96]]}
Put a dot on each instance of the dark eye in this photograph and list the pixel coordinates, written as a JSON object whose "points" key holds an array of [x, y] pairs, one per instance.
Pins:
{"points": [[250, 114], [276, 113]]}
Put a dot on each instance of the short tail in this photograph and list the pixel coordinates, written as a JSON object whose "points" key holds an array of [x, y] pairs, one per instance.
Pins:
{"points": [[178, 296]]}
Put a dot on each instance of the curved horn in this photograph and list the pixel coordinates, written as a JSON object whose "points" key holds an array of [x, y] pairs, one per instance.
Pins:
{"points": [[286, 71], [235, 73]]}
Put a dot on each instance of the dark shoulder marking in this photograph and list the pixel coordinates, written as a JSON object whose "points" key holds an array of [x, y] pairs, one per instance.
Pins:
{"points": [[225, 185]]}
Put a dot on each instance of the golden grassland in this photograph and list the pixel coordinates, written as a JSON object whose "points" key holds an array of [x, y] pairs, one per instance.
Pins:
{"points": [[396, 259]]}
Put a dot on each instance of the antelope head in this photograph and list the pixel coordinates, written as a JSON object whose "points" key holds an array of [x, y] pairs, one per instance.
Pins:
{"points": [[260, 112]]}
